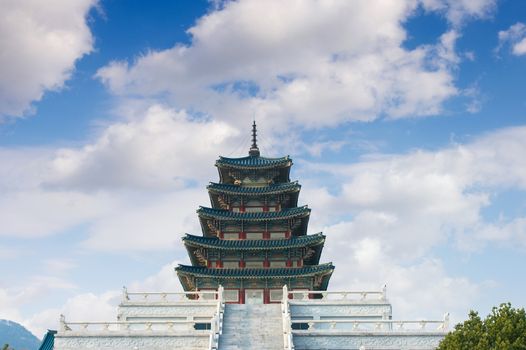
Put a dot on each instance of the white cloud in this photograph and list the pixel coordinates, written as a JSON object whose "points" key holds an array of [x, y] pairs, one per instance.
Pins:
{"points": [[515, 36], [149, 223], [13, 299], [89, 307], [132, 179], [458, 11], [385, 215], [313, 62], [520, 47], [59, 265], [86, 307], [165, 280], [415, 201], [420, 290], [50, 211], [162, 149], [40, 42], [8, 311]]}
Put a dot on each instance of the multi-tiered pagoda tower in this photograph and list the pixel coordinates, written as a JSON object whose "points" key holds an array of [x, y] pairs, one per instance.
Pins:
{"points": [[254, 243], [254, 237]]}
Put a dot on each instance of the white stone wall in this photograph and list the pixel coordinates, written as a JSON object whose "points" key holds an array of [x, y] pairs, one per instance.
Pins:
{"points": [[367, 340], [129, 341], [359, 324], [151, 312], [324, 310]]}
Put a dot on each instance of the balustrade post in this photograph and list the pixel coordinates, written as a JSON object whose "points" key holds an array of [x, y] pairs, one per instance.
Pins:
{"points": [[220, 292], [445, 323], [63, 326], [125, 296]]}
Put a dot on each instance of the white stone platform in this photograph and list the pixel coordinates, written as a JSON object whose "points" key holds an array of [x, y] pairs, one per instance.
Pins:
{"points": [[302, 321], [153, 321]]}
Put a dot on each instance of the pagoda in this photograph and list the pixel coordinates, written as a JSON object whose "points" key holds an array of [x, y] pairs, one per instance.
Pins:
{"points": [[254, 236], [255, 282]]}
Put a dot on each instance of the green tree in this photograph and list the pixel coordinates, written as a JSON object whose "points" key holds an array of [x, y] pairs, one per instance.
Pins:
{"points": [[503, 329]]}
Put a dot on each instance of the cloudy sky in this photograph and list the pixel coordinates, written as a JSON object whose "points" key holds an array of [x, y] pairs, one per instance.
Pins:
{"points": [[406, 121]]}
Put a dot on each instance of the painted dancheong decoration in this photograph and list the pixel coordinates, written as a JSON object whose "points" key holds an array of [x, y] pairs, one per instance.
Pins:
{"points": [[255, 282], [254, 237]]}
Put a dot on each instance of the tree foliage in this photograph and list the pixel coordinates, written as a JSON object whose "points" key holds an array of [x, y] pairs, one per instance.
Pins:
{"points": [[503, 329]]}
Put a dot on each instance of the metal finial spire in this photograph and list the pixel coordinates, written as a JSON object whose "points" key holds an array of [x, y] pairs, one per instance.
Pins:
{"points": [[254, 150]]}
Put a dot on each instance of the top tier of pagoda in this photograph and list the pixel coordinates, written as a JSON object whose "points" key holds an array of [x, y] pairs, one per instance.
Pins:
{"points": [[254, 234]]}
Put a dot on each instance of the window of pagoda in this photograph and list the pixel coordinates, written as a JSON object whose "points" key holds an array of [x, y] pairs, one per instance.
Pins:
{"points": [[230, 264], [231, 295], [253, 205]]}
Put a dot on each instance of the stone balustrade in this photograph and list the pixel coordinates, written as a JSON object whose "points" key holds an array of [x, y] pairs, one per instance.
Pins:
{"points": [[371, 325], [68, 328], [352, 320], [216, 328], [288, 343], [163, 297], [358, 296]]}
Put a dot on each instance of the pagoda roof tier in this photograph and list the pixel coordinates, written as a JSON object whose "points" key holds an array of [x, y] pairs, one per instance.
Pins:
{"points": [[254, 190], [197, 245], [190, 275], [284, 214], [253, 162], [252, 273], [223, 194], [295, 219], [254, 244]]}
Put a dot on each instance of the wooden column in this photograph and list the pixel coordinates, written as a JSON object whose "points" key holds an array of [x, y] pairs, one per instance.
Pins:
{"points": [[266, 296]]}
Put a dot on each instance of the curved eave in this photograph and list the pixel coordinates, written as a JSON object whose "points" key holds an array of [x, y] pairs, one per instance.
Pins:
{"points": [[270, 244], [234, 190], [48, 342], [285, 214], [250, 163], [256, 273]]}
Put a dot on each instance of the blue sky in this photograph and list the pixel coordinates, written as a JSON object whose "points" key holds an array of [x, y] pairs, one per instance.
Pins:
{"points": [[405, 120]]}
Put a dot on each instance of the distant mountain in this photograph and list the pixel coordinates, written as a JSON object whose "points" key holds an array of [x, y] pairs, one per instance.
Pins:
{"points": [[17, 336]]}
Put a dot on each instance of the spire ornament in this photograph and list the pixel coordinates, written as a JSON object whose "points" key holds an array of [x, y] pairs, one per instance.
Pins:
{"points": [[254, 150]]}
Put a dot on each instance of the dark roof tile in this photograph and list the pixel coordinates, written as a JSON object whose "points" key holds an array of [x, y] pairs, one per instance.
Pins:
{"points": [[247, 273], [260, 244], [257, 216]]}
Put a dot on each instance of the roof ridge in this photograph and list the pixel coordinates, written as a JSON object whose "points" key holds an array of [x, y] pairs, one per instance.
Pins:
{"points": [[214, 242], [293, 237], [262, 215], [250, 272], [290, 183]]}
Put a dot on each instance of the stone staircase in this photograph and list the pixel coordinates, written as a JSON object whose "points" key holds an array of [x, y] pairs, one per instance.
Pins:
{"points": [[247, 327]]}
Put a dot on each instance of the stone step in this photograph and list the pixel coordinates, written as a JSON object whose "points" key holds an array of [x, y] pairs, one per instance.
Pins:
{"points": [[247, 327]]}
